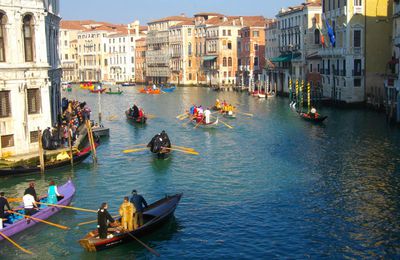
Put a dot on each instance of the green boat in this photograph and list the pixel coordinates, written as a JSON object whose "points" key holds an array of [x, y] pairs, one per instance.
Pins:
{"points": [[114, 92]]}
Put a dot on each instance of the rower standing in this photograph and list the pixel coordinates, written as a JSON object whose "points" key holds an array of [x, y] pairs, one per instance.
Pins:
{"points": [[103, 217], [207, 115], [126, 210], [138, 201], [4, 203]]}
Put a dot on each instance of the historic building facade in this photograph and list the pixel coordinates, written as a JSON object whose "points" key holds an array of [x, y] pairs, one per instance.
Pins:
{"points": [[353, 68], [29, 72]]}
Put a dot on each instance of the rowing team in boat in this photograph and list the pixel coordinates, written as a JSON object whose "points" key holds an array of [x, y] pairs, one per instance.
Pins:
{"points": [[312, 114], [136, 112], [224, 107], [30, 201], [131, 212], [200, 114]]}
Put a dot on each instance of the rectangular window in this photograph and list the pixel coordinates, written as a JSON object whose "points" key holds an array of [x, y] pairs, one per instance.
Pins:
{"points": [[33, 101], [7, 141], [357, 67], [256, 33], [5, 106], [255, 61], [105, 62], [256, 47], [190, 76], [357, 38], [34, 136], [311, 68], [189, 32], [229, 33], [66, 56], [223, 32]]}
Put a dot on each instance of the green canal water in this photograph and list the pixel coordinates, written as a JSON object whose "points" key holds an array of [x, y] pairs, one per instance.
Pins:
{"points": [[275, 186]]}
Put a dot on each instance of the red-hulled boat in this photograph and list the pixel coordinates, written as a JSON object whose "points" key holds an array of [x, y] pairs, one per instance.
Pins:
{"points": [[154, 216], [137, 120], [97, 90], [315, 118]]}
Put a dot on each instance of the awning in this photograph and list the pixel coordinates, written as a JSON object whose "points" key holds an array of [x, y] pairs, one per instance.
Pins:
{"points": [[208, 58], [285, 57]]}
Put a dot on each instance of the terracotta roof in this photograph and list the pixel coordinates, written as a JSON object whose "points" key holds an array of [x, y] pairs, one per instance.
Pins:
{"points": [[143, 28], [208, 14], [171, 18]]}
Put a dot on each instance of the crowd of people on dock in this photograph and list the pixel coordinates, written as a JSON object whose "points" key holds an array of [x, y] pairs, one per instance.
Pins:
{"points": [[74, 114]]}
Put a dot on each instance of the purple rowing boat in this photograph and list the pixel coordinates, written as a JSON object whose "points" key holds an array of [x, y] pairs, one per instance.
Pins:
{"points": [[20, 224]]}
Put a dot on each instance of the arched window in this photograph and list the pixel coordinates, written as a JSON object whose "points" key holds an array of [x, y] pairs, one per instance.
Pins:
{"points": [[224, 62], [190, 48], [28, 37], [229, 62], [316, 36], [3, 20]]}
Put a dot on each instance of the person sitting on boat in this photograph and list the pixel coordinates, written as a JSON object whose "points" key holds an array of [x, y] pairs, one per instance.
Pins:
{"points": [[135, 111], [156, 143], [230, 110], [141, 113], [30, 205], [195, 111], [217, 104], [4, 203], [126, 210], [313, 113], [103, 217], [165, 139], [31, 190], [207, 115], [52, 193], [154, 87], [191, 109], [138, 201]]}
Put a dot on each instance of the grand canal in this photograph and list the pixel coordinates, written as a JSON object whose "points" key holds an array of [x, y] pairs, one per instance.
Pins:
{"points": [[274, 186]]}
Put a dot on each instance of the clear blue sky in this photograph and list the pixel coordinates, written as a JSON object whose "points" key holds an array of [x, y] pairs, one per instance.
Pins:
{"points": [[124, 11]]}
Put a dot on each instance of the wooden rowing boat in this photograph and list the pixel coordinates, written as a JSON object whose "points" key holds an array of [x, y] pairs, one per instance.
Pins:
{"points": [[19, 170], [316, 119], [16, 223], [229, 116], [204, 125], [154, 216], [136, 120], [97, 90], [168, 89], [149, 91], [114, 92]]}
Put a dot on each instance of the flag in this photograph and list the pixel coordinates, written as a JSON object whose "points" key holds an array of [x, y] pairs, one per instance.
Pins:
{"points": [[331, 34], [322, 40]]}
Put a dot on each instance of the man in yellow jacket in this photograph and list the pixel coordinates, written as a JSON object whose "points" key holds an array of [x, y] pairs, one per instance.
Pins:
{"points": [[126, 210]]}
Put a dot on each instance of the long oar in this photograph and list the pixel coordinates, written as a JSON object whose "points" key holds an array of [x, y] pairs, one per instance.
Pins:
{"points": [[41, 220], [93, 221], [184, 148], [15, 244], [229, 126], [151, 116], [183, 117], [246, 114], [11, 200], [143, 244], [199, 122], [178, 116], [68, 207], [135, 150], [180, 150]]}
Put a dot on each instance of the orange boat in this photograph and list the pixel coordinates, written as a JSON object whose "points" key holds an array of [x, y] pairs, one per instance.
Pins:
{"points": [[149, 91]]}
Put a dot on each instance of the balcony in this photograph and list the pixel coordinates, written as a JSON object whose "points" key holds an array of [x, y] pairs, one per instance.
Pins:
{"points": [[332, 52]]}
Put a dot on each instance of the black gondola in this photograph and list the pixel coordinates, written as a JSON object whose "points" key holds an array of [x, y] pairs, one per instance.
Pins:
{"points": [[154, 217], [314, 119], [19, 170], [137, 120]]}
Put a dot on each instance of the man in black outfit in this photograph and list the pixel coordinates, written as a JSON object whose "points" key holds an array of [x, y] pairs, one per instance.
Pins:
{"points": [[31, 190], [102, 220], [135, 111], [3, 204], [165, 139]]}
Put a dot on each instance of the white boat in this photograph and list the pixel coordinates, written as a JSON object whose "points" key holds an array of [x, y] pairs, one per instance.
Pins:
{"points": [[261, 95]]}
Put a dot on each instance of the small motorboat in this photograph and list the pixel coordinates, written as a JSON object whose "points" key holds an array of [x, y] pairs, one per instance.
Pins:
{"points": [[114, 92], [168, 89], [128, 84]]}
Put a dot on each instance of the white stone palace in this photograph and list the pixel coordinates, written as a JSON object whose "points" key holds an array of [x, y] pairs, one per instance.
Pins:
{"points": [[29, 72]]}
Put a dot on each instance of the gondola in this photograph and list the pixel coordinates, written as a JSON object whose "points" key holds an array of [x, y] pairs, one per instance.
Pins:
{"points": [[204, 125], [114, 92], [128, 84], [154, 216], [97, 90], [19, 170], [16, 223], [137, 120], [316, 119]]}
